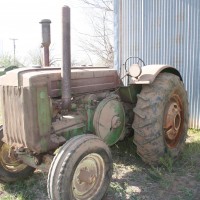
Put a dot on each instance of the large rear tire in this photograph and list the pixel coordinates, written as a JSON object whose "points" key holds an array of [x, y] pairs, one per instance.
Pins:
{"points": [[11, 168], [81, 170], [161, 119]]}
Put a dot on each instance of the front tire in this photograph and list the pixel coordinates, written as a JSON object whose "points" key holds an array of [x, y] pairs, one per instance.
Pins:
{"points": [[81, 170], [11, 169], [161, 119]]}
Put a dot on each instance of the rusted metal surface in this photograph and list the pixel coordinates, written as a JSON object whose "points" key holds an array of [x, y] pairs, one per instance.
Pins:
{"points": [[46, 56], [174, 116], [69, 122], [46, 40], [30, 160], [9, 159], [22, 127], [28, 110], [83, 79], [109, 120], [66, 59], [88, 176]]}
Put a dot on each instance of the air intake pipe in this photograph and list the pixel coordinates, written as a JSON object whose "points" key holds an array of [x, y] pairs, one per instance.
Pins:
{"points": [[66, 59], [46, 40]]}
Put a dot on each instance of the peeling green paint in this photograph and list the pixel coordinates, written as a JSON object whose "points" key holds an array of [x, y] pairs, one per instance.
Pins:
{"points": [[44, 112], [107, 111], [90, 114], [129, 93], [44, 144], [74, 132]]}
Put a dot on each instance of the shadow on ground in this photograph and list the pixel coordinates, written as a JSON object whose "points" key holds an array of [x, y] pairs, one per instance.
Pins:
{"points": [[132, 179]]}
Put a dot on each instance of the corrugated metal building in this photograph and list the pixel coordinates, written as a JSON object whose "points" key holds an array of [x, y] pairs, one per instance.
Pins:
{"points": [[162, 32]]}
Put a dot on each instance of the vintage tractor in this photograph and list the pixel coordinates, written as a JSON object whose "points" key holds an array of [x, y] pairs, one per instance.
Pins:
{"points": [[63, 120]]}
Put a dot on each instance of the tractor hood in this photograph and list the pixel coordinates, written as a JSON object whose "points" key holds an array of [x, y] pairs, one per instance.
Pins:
{"points": [[83, 79]]}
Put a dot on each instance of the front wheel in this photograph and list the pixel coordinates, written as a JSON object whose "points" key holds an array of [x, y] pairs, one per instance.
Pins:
{"points": [[11, 168], [161, 119], [81, 170]]}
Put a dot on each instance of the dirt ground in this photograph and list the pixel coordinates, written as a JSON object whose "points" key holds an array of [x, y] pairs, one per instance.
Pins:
{"points": [[137, 181], [132, 179]]}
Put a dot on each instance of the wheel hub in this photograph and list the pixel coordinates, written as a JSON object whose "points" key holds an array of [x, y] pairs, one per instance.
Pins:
{"points": [[88, 176], [173, 122], [116, 122], [9, 160]]}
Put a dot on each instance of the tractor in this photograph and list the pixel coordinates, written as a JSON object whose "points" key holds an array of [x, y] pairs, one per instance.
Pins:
{"points": [[63, 120]]}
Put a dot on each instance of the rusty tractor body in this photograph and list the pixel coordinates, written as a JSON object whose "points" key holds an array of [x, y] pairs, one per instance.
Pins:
{"points": [[68, 135]]}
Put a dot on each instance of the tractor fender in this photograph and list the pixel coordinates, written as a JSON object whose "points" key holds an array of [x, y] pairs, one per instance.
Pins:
{"points": [[150, 72]]}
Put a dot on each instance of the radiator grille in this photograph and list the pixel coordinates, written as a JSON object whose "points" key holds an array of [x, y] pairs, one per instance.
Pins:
{"points": [[13, 111]]}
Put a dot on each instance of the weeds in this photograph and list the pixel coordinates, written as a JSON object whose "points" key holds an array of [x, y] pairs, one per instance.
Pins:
{"points": [[121, 191], [159, 175], [187, 193], [198, 176], [30, 189], [191, 152], [165, 183], [132, 179], [118, 190], [167, 162], [155, 173]]}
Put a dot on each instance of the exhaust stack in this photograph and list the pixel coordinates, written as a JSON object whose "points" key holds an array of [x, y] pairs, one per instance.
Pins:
{"points": [[66, 59], [46, 40]]}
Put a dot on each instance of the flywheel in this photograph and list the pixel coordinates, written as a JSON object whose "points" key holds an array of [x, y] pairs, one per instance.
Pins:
{"points": [[109, 120]]}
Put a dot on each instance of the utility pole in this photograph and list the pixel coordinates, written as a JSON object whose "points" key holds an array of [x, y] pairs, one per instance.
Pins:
{"points": [[14, 47]]}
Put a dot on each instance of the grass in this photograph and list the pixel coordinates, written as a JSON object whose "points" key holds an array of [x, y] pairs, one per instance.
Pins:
{"points": [[132, 179], [171, 180], [30, 189]]}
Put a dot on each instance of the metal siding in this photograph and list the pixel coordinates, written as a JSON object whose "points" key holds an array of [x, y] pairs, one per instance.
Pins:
{"points": [[163, 32], [116, 30]]}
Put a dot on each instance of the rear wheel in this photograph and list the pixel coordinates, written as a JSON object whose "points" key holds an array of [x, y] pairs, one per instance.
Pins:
{"points": [[81, 170], [161, 118], [11, 168]]}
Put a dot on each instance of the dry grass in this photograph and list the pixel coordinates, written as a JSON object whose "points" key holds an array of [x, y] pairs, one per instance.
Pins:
{"points": [[132, 179]]}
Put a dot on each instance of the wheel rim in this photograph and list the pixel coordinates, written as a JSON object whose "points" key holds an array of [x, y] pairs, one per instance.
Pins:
{"points": [[88, 177], [173, 121], [9, 161]]}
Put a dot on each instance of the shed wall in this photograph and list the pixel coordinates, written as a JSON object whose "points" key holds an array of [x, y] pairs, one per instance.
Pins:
{"points": [[162, 32]]}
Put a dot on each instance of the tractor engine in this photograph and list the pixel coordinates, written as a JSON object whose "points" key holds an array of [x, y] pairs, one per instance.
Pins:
{"points": [[32, 108]]}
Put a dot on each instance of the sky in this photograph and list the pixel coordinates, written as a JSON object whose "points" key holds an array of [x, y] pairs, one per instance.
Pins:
{"points": [[20, 19]]}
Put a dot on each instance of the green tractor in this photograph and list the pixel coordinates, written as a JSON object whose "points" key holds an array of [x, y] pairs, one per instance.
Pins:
{"points": [[62, 121]]}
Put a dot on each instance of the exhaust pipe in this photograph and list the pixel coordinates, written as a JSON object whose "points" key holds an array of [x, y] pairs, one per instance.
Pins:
{"points": [[46, 40], [66, 59]]}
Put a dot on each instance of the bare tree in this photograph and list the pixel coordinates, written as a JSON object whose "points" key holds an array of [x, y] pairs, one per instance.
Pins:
{"points": [[35, 57], [100, 41], [105, 5]]}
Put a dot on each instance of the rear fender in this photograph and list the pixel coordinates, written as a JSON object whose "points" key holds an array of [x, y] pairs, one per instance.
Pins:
{"points": [[150, 72]]}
